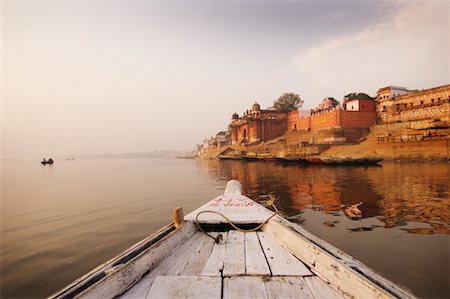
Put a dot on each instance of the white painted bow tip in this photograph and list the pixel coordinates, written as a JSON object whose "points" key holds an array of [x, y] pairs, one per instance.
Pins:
{"points": [[233, 187]]}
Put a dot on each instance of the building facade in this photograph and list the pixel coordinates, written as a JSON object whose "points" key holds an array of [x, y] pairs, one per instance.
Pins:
{"points": [[257, 125], [356, 113], [433, 103]]}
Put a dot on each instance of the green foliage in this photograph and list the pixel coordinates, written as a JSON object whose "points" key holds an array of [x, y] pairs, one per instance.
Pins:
{"points": [[288, 101], [358, 96]]}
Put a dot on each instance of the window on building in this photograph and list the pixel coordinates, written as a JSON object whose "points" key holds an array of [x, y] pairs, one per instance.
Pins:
{"points": [[384, 108], [421, 102]]}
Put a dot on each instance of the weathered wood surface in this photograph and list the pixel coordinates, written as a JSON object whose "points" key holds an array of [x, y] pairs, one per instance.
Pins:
{"points": [[234, 263], [321, 289], [124, 276], [248, 287], [270, 288], [178, 217], [180, 287], [237, 208], [171, 265], [289, 287], [281, 261], [255, 260], [214, 265], [348, 281], [197, 261]]}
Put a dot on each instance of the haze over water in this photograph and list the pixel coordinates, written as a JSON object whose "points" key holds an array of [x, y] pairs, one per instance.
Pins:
{"points": [[60, 221]]}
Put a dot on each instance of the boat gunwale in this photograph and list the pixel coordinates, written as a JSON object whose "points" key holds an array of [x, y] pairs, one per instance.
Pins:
{"points": [[350, 263], [84, 283]]}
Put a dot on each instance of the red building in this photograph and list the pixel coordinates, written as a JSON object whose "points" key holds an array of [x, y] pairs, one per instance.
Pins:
{"points": [[257, 125], [356, 112]]}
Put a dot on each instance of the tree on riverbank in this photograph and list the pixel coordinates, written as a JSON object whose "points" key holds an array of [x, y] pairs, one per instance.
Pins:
{"points": [[288, 101]]}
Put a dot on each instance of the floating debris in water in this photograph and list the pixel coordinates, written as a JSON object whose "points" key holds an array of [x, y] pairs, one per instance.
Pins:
{"points": [[330, 223], [353, 212], [363, 228]]}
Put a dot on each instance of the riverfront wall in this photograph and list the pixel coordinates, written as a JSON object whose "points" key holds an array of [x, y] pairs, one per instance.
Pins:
{"points": [[332, 118]]}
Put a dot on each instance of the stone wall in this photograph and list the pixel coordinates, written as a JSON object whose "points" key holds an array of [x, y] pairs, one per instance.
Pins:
{"points": [[325, 120], [356, 119]]}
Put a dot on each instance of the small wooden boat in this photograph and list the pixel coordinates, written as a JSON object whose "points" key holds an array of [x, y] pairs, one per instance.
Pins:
{"points": [[230, 157], [351, 161], [314, 160], [45, 162], [292, 159], [232, 247], [267, 158], [250, 158]]}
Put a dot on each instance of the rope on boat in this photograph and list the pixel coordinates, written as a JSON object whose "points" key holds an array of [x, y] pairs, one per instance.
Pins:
{"points": [[220, 237]]}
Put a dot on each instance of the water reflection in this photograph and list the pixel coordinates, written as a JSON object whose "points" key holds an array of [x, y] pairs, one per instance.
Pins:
{"points": [[396, 194]]}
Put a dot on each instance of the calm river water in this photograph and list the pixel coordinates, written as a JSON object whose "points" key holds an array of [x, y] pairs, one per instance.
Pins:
{"points": [[60, 221]]}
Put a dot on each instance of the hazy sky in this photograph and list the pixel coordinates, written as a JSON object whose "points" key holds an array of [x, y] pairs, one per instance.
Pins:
{"points": [[83, 77]]}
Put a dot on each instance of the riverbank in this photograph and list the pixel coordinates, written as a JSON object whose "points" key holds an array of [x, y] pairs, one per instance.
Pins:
{"points": [[399, 142]]}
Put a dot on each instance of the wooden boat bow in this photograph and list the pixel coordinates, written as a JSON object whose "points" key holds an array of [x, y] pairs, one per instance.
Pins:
{"points": [[279, 259]]}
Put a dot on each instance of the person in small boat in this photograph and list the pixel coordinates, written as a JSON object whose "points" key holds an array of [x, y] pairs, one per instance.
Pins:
{"points": [[44, 161]]}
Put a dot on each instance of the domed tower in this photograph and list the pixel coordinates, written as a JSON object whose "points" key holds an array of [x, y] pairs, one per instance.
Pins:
{"points": [[328, 103], [235, 116], [256, 107]]}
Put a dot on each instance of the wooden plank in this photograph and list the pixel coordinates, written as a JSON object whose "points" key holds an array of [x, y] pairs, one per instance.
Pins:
{"points": [[255, 260], [281, 261], [174, 264], [214, 265], [186, 287], [346, 280], [124, 276], [288, 287], [320, 289], [197, 261], [248, 287], [234, 263], [171, 265], [237, 208]]}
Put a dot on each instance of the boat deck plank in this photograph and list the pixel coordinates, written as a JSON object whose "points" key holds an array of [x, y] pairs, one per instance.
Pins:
{"points": [[321, 289], [255, 260], [199, 258], [244, 287], [214, 265], [234, 263], [281, 262], [182, 286], [288, 287]]}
